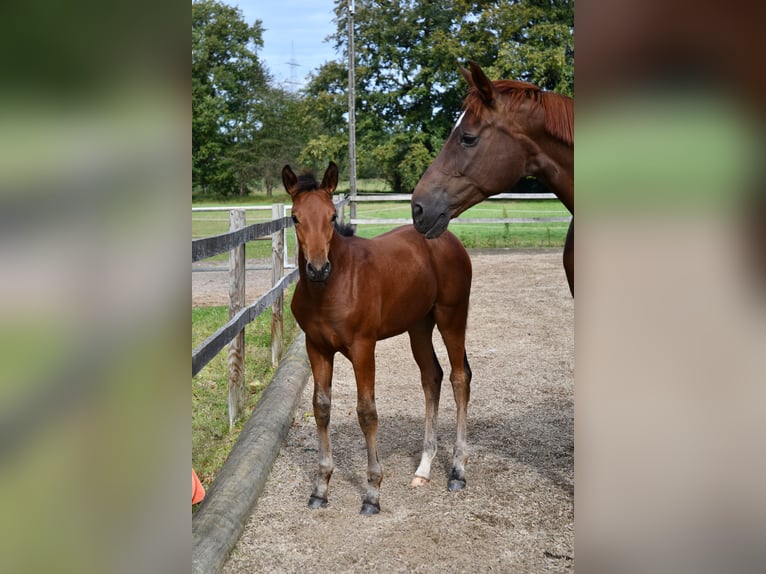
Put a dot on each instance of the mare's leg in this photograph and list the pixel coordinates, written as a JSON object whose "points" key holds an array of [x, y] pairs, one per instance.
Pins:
{"points": [[431, 375], [321, 367], [362, 356], [452, 324], [569, 256]]}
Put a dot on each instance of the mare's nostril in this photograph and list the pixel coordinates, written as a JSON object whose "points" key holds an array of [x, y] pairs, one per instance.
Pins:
{"points": [[417, 210]]}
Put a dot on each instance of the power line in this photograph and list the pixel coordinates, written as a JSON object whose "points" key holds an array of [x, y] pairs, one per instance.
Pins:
{"points": [[293, 63]]}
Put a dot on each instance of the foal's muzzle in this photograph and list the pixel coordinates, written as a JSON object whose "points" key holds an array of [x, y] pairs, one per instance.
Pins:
{"points": [[318, 274]]}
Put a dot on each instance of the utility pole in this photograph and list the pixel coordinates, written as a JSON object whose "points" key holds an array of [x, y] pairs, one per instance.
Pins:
{"points": [[351, 113]]}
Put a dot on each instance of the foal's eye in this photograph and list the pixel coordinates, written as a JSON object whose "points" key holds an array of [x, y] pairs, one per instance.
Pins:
{"points": [[295, 220], [468, 140], [334, 218]]}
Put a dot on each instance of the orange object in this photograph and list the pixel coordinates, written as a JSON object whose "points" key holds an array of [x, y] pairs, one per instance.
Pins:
{"points": [[198, 491]]}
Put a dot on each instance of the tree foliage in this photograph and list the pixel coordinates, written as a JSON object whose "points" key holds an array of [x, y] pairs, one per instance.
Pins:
{"points": [[227, 82], [408, 92], [409, 89]]}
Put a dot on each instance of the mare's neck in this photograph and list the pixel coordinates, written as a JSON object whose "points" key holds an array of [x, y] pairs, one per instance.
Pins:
{"points": [[554, 166]]}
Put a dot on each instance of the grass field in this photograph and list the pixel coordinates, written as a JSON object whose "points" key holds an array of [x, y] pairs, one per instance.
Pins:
{"points": [[211, 439]]}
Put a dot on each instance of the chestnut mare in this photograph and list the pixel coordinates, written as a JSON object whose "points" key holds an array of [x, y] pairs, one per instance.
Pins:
{"points": [[354, 292], [508, 130]]}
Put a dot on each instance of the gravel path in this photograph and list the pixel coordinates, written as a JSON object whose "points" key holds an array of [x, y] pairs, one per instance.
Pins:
{"points": [[516, 514]]}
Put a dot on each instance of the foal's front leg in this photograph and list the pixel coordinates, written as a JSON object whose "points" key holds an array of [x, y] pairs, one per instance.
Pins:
{"points": [[362, 356], [321, 367]]}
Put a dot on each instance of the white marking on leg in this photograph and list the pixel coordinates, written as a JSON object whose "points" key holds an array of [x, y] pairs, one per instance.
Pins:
{"points": [[424, 469]]}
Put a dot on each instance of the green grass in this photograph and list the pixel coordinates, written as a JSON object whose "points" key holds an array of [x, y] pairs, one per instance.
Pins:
{"points": [[211, 438]]}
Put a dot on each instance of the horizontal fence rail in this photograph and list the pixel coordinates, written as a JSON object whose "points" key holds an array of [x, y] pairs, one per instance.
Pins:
{"points": [[469, 220], [408, 196], [225, 242], [211, 346]]}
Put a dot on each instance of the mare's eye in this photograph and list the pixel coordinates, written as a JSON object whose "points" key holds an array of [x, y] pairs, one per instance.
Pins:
{"points": [[468, 140], [295, 220]]}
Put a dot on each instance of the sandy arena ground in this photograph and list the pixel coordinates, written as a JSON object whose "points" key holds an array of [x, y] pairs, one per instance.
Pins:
{"points": [[517, 512]]}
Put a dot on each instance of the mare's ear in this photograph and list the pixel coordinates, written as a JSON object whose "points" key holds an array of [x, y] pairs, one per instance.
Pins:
{"points": [[288, 179], [481, 82], [466, 74], [330, 179]]}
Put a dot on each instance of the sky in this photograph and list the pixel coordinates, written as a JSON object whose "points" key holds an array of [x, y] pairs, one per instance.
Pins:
{"points": [[295, 30]]}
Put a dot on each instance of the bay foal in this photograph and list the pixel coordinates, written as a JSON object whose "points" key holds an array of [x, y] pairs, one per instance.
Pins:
{"points": [[354, 292]]}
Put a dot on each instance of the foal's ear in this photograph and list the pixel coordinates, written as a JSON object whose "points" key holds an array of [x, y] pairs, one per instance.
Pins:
{"points": [[480, 81], [288, 179], [330, 179]]}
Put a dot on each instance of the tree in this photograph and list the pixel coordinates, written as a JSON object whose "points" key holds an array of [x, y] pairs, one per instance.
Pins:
{"points": [[227, 82], [278, 135], [326, 102], [409, 90]]}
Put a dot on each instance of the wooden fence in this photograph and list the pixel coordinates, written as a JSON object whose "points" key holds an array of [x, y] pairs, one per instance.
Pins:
{"points": [[240, 315]]}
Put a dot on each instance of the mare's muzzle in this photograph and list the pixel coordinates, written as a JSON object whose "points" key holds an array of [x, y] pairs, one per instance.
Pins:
{"points": [[430, 214]]}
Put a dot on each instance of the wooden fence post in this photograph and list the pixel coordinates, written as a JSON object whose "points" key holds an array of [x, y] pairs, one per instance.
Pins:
{"points": [[237, 395], [277, 270], [339, 207]]}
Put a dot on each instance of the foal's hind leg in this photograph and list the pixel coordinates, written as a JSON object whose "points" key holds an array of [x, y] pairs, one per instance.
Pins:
{"points": [[431, 375], [452, 325], [321, 367]]}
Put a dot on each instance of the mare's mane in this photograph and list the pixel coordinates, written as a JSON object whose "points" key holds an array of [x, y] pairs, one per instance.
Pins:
{"points": [[558, 109]]}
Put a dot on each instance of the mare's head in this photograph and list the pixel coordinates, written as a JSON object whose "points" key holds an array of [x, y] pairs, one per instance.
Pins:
{"points": [[496, 141], [314, 216]]}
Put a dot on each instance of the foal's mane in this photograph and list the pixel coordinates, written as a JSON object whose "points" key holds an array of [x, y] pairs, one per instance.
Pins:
{"points": [[558, 109], [307, 182]]}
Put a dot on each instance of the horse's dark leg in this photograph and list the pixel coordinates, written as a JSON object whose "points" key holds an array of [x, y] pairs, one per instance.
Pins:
{"points": [[362, 356], [431, 375], [569, 256], [321, 367], [452, 324]]}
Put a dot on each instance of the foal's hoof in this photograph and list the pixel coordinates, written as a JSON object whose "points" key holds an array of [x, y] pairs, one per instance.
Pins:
{"points": [[316, 502], [419, 481], [456, 484], [370, 508]]}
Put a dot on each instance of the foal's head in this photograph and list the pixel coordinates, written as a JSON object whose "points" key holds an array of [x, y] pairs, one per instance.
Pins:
{"points": [[314, 217]]}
